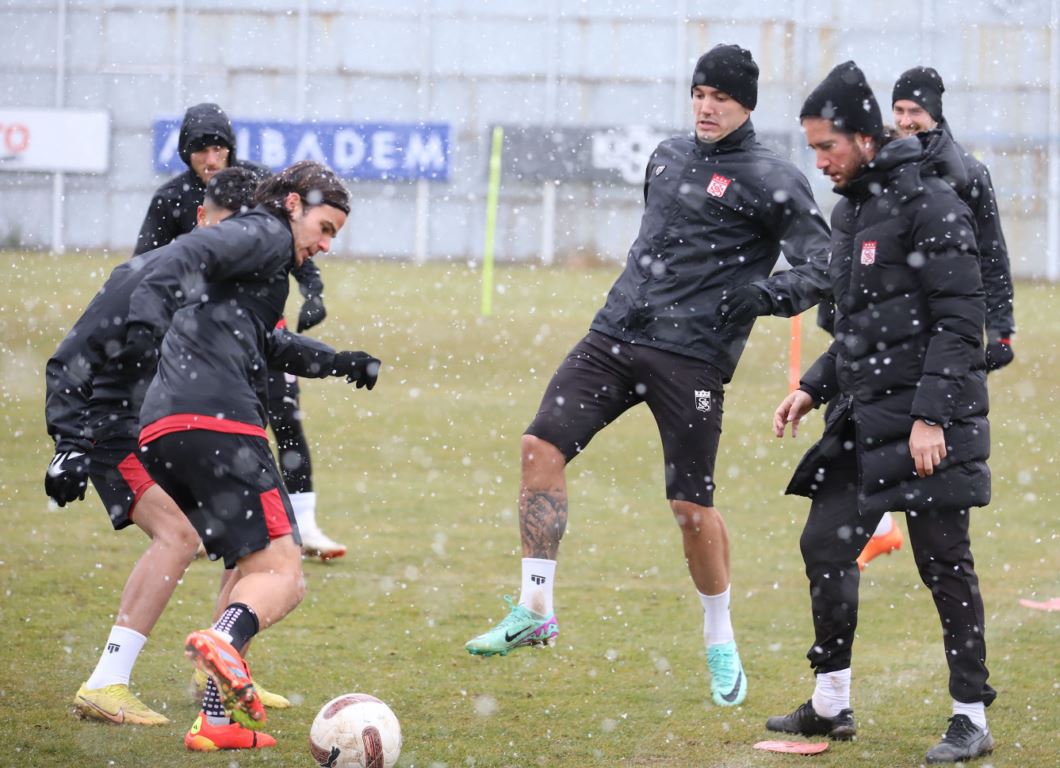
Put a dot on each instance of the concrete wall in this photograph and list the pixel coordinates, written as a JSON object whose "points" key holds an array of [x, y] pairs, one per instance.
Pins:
{"points": [[471, 63]]}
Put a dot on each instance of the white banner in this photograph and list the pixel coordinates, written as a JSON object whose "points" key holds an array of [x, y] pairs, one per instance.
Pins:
{"points": [[69, 140]]}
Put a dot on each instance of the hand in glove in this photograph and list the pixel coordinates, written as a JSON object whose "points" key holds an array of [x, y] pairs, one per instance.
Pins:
{"points": [[67, 477], [743, 304], [312, 313], [359, 368], [999, 353], [140, 352]]}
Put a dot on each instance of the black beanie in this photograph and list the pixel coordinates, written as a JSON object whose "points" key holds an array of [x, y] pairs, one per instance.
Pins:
{"points": [[731, 69], [845, 98], [924, 86]]}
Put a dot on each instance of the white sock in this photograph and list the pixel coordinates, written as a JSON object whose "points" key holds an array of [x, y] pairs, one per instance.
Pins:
{"points": [[717, 620], [975, 712], [305, 510], [832, 694], [538, 576], [119, 654], [885, 525]]}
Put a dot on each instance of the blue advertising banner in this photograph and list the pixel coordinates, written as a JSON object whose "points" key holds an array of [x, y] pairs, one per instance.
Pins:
{"points": [[370, 151]]}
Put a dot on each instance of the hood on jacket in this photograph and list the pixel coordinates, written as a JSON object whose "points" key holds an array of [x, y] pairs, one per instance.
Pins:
{"points": [[931, 153], [205, 125]]}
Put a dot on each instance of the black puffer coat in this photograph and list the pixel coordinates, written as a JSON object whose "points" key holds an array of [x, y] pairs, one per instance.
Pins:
{"points": [[909, 327]]}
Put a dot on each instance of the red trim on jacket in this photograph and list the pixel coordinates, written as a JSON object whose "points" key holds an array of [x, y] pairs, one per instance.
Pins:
{"points": [[184, 422]]}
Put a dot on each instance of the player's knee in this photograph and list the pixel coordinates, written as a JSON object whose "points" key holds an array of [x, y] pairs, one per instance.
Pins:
{"points": [[540, 455], [693, 518]]}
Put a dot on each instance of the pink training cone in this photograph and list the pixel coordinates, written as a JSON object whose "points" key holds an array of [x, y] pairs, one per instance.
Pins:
{"points": [[1048, 605], [793, 747]]}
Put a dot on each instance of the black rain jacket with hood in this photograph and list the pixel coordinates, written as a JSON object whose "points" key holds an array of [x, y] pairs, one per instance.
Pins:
{"points": [[173, 208]]}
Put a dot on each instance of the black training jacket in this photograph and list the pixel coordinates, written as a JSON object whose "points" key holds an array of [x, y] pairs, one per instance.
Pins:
{"points": [[978, 194], [172, 211], [908, 333], [88, 402], [716, 217], [219, 292]]}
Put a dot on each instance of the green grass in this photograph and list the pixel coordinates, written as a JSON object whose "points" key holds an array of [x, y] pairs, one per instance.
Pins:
{"points": [[419, 478]]}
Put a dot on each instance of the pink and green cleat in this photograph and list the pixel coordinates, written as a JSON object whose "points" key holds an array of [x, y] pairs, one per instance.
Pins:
{"points": [[520, 627]]}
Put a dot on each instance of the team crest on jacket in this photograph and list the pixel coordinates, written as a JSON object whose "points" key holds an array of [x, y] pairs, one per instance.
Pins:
{"points": [[718, 185], [659, 169], [703, 400], [868, 252]]}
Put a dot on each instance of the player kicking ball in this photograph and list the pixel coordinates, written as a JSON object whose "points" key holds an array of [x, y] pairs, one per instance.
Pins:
{"points": [[718, 206]]}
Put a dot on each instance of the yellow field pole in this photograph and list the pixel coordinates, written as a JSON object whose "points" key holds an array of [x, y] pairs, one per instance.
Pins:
{"points": [[491, 219]]}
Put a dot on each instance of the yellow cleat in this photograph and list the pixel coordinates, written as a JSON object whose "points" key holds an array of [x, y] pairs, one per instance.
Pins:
{"points": [[271, 700], [115, 704]]}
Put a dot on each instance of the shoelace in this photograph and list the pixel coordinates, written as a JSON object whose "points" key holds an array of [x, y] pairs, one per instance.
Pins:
{"points": [[960, 726], [517, 614]]}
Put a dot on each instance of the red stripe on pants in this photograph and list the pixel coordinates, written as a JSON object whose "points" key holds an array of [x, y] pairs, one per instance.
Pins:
{"points": [[276, 521], [134, 474]]}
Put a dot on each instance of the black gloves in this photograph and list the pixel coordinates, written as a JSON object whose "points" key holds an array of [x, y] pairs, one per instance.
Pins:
{"points": [[743, 304], [999, 353], [67, 477], [359, 368], [140, 352], [312, 313]]}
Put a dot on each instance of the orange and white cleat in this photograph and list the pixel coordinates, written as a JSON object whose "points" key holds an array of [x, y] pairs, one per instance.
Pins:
{"points": [[217, 658], [316, 543], [884, 544], [203, 737]]}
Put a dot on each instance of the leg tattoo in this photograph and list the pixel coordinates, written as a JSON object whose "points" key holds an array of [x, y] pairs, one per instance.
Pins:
{"points": [[542, 521]]}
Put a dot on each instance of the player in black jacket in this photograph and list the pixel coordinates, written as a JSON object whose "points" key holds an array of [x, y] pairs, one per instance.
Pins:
{"points": [[207, 144], [217, 298], [916, 104], [718, 209], [906, 374], [92, 412]]}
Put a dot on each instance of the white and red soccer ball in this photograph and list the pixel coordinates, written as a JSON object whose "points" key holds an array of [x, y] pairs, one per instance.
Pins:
{"points": [[355, 730]]}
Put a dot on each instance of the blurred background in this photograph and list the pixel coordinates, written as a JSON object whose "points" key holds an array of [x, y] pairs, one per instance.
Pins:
{"points": [[401, 96]]}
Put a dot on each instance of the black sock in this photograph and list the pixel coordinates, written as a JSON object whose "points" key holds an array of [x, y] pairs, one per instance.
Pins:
{"points": [[239, 621], [211, 704]]}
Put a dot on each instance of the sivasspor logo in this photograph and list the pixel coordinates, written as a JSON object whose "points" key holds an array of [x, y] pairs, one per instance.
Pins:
{"points": [[718, 185], [868, 252], [703, 400]]}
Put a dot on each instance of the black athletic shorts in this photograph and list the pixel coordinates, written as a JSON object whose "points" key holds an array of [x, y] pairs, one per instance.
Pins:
{"points": [[603, 377], [119, 478], [227, 485]]}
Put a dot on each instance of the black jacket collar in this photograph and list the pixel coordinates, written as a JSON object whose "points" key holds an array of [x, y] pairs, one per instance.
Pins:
{"points": [[737, 140]]}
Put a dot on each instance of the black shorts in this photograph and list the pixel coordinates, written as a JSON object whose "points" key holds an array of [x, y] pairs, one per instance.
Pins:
{"points": [[603, 377], [119, 478], [227, 485]]}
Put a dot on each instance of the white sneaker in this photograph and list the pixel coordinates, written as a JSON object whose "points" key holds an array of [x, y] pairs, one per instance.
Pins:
{"points": [[316, 544]]}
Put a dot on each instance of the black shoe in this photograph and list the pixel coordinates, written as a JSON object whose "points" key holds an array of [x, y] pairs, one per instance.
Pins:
{"points": [[808, 723], [964, 740]]}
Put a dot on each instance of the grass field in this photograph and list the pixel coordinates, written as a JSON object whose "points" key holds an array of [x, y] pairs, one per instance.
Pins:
{"points": [[419, 478]]}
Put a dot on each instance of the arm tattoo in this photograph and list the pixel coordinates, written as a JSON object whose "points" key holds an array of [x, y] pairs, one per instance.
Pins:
{"points": [[542, 521]]}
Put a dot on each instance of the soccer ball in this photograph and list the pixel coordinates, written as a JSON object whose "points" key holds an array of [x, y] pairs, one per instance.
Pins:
{"points": [[355, 730]]}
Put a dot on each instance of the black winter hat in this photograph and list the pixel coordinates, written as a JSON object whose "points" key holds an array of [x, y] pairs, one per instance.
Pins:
{"points": [[845, 98], [731, 69], [924, 86]]}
